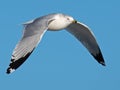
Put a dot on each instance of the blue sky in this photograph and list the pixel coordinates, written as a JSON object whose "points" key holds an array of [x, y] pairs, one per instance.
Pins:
{"points": [[60, 62]]}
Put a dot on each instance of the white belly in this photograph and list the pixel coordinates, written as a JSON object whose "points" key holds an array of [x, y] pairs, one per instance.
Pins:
{"points": [[57, 25]]}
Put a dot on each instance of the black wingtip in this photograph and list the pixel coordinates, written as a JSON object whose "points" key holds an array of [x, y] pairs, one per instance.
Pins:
{"points": [[99, 58], [10, 70], [103, 63], [16, 63]]}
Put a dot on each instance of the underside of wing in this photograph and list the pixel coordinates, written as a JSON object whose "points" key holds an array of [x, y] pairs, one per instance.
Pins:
{"points": [[83, 34]]}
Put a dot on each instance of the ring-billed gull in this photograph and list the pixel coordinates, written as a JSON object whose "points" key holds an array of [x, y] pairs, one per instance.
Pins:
{"points": [[35, 29]]}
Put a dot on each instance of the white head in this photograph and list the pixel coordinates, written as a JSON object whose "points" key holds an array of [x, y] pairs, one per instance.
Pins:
{"points": [[60, 21]]}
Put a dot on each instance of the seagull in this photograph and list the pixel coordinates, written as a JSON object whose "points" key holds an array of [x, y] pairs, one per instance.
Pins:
{"points": [[35, 29]]}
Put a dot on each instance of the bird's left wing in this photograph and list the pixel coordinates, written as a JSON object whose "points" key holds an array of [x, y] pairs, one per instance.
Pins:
{"points": [[31, 37], [83, 34]]}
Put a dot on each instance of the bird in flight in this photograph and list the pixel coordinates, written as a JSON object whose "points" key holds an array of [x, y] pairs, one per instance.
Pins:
{"points": [[35, 29]]}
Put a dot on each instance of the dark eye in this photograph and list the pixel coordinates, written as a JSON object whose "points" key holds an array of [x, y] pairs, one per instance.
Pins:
{"points": [[68, 18]]}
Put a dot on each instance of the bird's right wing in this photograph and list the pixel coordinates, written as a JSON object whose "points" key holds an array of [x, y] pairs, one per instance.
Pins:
{"points": [[31, 37]]}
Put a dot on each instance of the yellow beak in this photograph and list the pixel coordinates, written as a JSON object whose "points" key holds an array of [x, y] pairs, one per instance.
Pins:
{"points": [[75, 21]]}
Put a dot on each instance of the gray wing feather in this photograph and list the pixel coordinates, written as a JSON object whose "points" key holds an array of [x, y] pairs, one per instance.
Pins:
{"points": [[83, 34], [31, 37]]}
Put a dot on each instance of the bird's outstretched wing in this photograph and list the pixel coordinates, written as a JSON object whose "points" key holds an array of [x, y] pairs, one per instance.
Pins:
{"points": [[31, 37], [83, 34]]}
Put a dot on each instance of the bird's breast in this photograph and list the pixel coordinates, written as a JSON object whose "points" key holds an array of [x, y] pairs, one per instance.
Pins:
{"points": [[57, 25]]}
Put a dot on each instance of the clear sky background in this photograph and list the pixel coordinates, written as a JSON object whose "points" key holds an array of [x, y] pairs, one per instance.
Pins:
{"points": [[60, 62]]}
